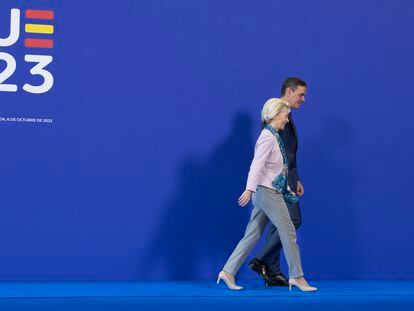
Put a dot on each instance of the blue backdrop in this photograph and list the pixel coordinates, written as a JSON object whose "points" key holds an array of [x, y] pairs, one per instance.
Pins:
{"points": [[156, 108]]}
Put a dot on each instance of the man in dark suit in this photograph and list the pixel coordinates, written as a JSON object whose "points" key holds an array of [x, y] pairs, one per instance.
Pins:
{"points": [[267, 262]]}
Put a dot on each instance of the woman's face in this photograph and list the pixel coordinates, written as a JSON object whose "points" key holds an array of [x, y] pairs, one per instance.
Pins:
{"points": [[281, 119]]}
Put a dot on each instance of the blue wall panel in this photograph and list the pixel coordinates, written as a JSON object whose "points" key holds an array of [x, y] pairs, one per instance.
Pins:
{"points": [[155, 108]]}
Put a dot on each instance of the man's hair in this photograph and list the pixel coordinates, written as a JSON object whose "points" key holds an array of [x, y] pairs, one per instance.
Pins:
{"points": [[292, 83]]}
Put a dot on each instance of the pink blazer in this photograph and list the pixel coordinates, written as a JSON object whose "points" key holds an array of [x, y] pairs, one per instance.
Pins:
{"points": [[267, 162]]}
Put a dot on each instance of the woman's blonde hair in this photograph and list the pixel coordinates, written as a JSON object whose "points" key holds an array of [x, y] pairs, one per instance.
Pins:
{"points": [[271, 108]]}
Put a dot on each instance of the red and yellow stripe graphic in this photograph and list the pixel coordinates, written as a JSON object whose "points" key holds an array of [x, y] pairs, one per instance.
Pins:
{"points": [[40, 14], [38, 43], [39, 28]]}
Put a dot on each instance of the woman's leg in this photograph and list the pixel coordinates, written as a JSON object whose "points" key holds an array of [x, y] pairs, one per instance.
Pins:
{"points": [[255, 227], [273, 205]]}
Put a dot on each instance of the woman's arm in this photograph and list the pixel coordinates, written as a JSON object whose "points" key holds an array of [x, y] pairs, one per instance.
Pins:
{"points": [[265, 144]]}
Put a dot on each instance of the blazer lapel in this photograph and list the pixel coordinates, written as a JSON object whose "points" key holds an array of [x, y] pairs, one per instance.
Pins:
{"points": [[295, 133]]}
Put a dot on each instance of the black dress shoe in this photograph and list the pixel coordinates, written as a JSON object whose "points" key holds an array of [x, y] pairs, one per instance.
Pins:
{"points": [[258, 266], [277, 280], [270, 279]]}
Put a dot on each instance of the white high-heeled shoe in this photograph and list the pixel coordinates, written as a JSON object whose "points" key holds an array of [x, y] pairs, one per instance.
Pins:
{"points": [[303, 288], [229, 283]]}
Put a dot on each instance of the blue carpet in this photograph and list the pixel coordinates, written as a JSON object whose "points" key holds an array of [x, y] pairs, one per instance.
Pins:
{"points": [[333, 295]]}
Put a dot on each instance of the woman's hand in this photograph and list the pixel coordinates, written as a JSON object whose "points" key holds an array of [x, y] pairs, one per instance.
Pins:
{"points": [[245, 198]]}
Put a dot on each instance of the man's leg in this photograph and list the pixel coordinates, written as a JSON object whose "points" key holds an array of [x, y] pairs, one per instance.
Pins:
{"points": [[270, 253]]}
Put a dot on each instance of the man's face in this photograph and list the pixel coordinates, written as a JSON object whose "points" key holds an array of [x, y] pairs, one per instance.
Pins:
{"points": [[297, 97]]}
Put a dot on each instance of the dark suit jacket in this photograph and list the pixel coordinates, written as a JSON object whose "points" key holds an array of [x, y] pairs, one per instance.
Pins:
{"points": [[290, 141]]}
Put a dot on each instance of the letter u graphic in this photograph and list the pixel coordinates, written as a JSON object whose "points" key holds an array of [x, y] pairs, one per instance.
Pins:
{"points": [[14, 29]]}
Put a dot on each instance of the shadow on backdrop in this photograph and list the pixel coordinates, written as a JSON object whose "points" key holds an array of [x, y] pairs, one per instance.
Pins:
{"points": [[203, 223]]}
